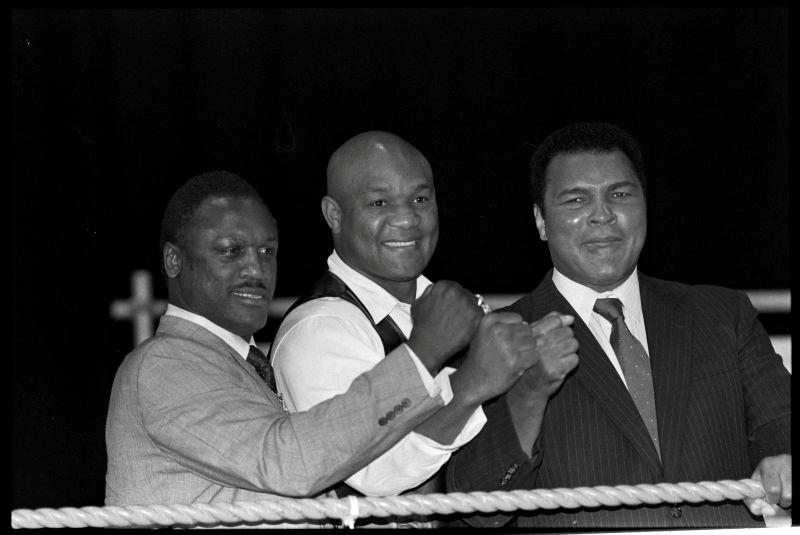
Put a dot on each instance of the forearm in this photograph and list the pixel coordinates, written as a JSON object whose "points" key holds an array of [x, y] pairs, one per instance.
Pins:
{"points": [[419, 455], [312, 366], [492, 461], [446, 424], [407, 464], [246, 441], [766, 385], [527, 413]]}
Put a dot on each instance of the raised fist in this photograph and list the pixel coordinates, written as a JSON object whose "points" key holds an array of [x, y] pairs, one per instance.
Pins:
{"points": [[502, 349], [556, 349], [445, 317]]}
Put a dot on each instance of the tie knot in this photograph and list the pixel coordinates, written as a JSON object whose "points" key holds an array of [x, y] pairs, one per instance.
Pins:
{"points": [[610, 308]]}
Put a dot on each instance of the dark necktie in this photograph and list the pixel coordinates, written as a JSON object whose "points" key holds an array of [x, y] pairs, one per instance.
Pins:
{"points": [[260, 362], [634, 362]]}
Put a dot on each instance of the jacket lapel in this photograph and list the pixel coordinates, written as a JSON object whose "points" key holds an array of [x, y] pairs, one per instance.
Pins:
{"points": [[597, 375], [181, 328], [669, 340]]}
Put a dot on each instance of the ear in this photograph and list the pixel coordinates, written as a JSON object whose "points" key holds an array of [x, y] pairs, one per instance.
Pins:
{"points": [[332, 214], [173, 259], [540, 226]]}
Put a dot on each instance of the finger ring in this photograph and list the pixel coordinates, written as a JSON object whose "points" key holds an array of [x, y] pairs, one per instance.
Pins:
{"points": [[481, 303]]}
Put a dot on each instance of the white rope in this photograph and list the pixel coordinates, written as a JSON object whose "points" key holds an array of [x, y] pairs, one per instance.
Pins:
{"points": [[347, 510]]}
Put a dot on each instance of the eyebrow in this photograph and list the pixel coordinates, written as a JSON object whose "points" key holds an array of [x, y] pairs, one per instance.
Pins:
{"points": [[584, 189], [382, 188]]}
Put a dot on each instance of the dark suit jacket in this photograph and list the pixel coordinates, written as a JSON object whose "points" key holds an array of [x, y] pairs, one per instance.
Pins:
{"points": [[722, 400]]}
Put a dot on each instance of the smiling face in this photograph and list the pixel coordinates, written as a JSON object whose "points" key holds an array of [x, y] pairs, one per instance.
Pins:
{"points": [[595, 217], [383, 215], [226, 268]]}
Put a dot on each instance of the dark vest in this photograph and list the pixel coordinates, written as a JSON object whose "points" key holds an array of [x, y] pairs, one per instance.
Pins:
{"points": [[329, 285]]}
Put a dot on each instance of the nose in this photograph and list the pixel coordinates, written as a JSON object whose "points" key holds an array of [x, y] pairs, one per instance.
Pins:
{"points": [[252, 266], [602, 213], [404, 216]]}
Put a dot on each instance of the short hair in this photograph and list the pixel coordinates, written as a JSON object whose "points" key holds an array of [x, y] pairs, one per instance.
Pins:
{"points": [[188, 198], [582, 137]]}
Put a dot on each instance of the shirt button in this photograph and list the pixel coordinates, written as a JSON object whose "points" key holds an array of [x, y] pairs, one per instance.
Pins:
{"points": [[676, 512]]}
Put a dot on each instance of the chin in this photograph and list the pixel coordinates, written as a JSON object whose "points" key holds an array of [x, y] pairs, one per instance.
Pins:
{"points": [[406, 275]]}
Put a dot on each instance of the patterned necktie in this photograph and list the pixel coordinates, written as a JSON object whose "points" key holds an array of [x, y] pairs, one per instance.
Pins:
{"points": [[260, 362], [634, 362]]}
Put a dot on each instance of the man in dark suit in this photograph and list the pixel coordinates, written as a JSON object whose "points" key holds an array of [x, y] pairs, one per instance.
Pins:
{"points": [[674, 382]]}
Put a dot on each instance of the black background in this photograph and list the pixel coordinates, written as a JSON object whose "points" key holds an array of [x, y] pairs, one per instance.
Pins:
{"points": [[113, 109]]}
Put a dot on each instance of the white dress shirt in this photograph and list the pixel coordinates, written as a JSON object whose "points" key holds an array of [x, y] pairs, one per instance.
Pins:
{"points": [[325, 343], [582, 299], [238, 343]]}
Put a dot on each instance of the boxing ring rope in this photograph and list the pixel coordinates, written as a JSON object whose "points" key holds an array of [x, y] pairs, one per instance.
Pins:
{"points": [[348, 509]]}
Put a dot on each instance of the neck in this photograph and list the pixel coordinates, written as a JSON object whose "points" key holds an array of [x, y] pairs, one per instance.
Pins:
{"points": [[404, 292]]}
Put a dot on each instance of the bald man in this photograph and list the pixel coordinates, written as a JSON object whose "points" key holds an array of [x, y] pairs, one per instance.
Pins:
{"points": [[381, 209]]}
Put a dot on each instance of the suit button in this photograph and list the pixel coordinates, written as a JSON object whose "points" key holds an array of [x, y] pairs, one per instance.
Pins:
{"points": [[398, 409], [381, 421], [406, 403], [676, 512], [390, 415]]}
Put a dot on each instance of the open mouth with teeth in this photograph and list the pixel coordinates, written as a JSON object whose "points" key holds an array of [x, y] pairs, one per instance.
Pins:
{"points": [[400, 244], [252, 294]]}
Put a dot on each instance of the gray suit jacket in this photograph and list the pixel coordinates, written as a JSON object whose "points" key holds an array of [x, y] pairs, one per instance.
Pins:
{"points": [[190, 421]]}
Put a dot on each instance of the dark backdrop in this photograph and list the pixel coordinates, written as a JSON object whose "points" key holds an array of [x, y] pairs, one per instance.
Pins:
{"points": [[113, 109]]}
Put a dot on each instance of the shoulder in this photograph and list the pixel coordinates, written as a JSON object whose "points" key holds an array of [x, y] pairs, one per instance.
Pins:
{"points": [[541, 300], [324, 310], [167, 358], [323, 319], [704, 300], [700, 293]]}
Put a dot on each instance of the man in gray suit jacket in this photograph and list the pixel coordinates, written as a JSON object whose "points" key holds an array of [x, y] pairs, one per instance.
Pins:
{"points": [[194, 416], [695, 393]]}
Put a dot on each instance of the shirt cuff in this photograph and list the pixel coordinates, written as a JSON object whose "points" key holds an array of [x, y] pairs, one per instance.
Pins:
{"points": [[473, 426], [433, 388]]}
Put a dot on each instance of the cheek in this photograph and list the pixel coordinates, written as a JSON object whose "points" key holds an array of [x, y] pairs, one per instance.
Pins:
{"points": [[367, 231], [271, 272], [564, 228], [430, 224]]}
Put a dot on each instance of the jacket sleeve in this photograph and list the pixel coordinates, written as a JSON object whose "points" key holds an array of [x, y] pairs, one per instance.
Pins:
{"points": [[766, 387], [493, 460], [216, 421]]}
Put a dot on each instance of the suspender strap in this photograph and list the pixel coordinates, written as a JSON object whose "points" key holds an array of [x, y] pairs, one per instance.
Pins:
{"points": [[329, 285]]}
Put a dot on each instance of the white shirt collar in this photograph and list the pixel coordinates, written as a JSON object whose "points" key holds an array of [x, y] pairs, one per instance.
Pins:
{"points": [[582, 298], [378, 301], [235, 341]]}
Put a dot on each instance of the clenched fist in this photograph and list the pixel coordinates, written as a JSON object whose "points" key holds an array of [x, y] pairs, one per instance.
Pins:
{"points": [[502, 349], [556, 349], [445, 317]]}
